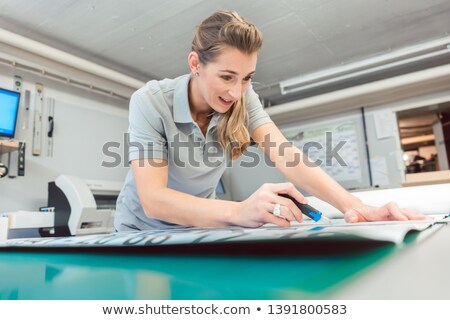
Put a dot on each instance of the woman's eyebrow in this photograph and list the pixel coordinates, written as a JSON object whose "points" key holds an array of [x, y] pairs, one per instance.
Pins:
{"points": [[234, 72]]}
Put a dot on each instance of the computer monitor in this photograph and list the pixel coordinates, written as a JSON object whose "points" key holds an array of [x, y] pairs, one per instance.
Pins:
{"points": [[9, 107]]}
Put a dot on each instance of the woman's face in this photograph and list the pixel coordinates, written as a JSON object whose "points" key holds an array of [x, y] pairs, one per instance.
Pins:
{"points": [[224, 81]]}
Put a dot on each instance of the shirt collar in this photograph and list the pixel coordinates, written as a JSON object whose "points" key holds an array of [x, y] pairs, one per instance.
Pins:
{"points": [[181, 111], [214, 120]]}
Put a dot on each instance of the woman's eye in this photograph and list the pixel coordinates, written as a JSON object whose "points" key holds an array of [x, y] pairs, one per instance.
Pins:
{"points": [[226, 78], [248, 78]]}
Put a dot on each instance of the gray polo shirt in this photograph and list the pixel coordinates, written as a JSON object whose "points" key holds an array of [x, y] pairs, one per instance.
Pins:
{"points": [[161, 127]]}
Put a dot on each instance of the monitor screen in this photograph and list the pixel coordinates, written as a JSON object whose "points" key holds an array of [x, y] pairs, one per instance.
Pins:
{"points": [[9, 107]]}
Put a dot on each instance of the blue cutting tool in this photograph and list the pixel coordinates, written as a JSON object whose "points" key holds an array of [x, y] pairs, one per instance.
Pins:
{"points": [[308, 210]]}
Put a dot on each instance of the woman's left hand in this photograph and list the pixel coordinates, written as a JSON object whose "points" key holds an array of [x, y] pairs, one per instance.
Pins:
{"points": [[390, 211]]}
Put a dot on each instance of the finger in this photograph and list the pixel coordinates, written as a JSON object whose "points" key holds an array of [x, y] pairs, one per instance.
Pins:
{"points": [[395, 213], [285, 212], [281, 222], [290, 206], [414, 215], [353, 216], [289, 188]]}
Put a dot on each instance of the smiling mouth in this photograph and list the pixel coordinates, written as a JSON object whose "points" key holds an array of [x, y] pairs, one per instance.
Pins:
{"points": [[225, 100]]}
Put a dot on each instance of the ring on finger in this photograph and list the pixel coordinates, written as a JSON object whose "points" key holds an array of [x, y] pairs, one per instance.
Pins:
{"points": [[277, 210]]}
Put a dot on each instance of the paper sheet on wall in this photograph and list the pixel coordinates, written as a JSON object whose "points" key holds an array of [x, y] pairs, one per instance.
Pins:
{"points": [[385, 124]]}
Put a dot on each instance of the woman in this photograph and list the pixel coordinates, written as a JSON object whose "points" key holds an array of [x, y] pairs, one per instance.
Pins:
{"points": [[178, 125]]}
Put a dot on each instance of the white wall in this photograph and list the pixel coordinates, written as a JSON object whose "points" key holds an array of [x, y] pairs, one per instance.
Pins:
{"points": [[84, 122]]}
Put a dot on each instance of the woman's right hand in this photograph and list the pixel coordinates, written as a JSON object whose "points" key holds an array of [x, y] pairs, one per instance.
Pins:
{"points": [[257, 209]]}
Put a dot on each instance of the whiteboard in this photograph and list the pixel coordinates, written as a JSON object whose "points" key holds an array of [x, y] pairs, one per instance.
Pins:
{"points": [[336, 144]]}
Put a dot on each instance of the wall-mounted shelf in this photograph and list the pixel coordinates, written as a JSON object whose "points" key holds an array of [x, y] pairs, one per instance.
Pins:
{"points": [[8, 146]]}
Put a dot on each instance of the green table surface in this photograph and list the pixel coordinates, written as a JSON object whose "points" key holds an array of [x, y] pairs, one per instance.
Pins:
{"points": [[120, 276], [62, 275]]}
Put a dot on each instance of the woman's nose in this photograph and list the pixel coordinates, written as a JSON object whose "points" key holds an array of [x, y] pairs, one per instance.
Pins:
{"points": [[236, 91]]}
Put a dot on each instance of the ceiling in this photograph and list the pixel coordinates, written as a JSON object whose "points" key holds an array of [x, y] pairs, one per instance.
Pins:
{"points": [[149, 39]]}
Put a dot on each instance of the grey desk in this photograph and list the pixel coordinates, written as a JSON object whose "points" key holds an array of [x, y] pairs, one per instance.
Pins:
{"points": [[418, 271]]}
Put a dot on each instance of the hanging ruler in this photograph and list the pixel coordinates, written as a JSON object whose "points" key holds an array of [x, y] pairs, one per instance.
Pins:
{"points": [[37, 123], [13, 156], [26, 106], [51, 111]]}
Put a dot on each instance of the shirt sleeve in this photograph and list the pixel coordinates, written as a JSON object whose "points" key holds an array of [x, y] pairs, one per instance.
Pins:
{"points": [[146, 130], [257, 115]]}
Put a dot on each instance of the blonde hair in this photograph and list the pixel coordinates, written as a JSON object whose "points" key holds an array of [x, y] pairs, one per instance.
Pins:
{"points": [[224, 29]]}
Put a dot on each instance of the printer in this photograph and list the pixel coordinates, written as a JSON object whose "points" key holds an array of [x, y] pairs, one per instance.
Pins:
{"points": [[82, 206]]}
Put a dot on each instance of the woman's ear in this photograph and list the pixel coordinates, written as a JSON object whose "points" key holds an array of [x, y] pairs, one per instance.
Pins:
{"points": [[194, 62]]}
